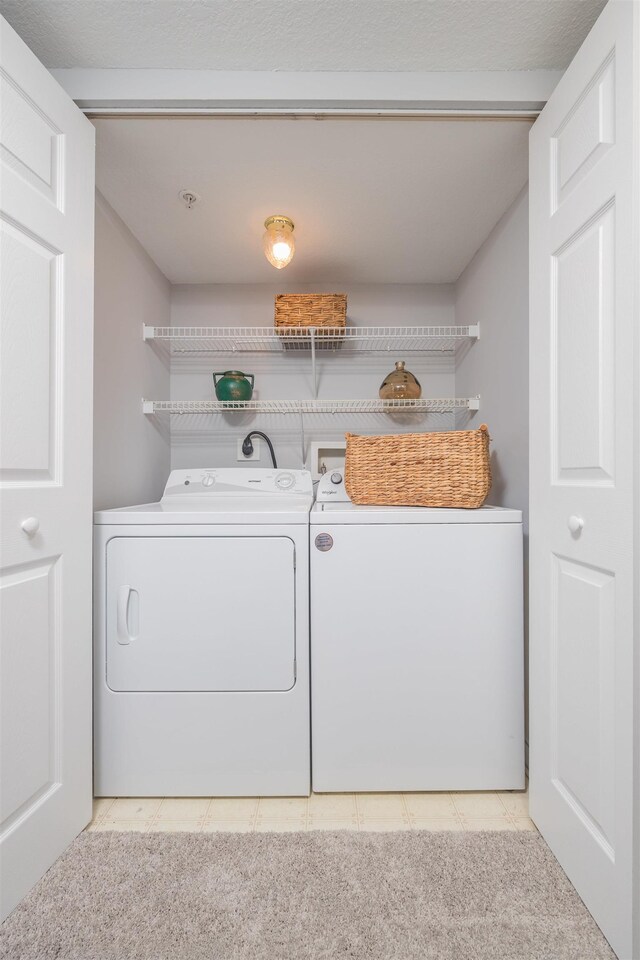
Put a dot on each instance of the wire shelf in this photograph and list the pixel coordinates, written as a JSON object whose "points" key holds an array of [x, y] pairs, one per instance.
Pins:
{"points": [[190, 341], [435, 405]]}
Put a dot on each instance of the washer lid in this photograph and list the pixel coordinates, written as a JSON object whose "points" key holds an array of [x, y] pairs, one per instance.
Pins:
{"points": [[325, 513]]}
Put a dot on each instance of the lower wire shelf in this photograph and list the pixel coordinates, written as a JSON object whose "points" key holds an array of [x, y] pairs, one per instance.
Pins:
{"points": [[436, 405]]}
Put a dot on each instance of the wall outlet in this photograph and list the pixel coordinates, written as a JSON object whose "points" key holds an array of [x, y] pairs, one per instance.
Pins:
{"points": [[256, 450]]}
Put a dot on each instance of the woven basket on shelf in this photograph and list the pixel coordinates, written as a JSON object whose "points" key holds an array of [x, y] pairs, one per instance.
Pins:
{"points": [[419, 469], [311, 310]]}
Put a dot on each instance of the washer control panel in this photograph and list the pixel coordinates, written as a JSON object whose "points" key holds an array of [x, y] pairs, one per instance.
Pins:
{"points": [[219, 481], [331, 487]]}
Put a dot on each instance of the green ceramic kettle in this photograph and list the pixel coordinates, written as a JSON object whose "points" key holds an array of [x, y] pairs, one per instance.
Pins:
{"points": [[233, 385]]}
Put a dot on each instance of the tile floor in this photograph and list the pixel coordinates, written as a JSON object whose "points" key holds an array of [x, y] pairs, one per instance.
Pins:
{"points": [[338, 811]]}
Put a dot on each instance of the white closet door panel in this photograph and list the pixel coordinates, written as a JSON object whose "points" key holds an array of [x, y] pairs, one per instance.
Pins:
{"points": [[200, 613], [46, 329], [584, 513]]}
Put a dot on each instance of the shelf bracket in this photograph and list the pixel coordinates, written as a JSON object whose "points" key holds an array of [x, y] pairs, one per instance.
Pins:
{"points": [[474, 403], [312, 331], [147, 406], [148, 333]]}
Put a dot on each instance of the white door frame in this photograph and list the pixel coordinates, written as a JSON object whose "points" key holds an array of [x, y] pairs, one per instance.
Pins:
{"points": [[176, 93], [246, 93]]}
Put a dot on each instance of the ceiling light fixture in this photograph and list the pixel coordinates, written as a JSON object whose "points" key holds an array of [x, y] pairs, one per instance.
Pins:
{"points": [[278, 242]]}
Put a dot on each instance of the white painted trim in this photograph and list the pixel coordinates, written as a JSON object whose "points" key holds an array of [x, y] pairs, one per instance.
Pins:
{"points": [[253, 92], [636, 478]]}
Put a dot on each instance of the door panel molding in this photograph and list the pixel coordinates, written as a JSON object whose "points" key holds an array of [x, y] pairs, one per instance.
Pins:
{"points": [[582, 342], [586, 133], [30, 142], [30, 658], [581, 772], [32, 319]]}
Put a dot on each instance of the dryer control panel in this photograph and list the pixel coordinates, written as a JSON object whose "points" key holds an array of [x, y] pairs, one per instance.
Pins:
{"points": [[238, 482]]}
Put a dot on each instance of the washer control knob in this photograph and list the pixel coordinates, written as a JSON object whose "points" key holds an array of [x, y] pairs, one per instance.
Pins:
{"points": [[336, 478], [285, 481], [208, 480]]}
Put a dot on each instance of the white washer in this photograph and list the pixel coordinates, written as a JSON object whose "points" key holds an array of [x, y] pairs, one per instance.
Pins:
{"points": [[417, 647], [202, 638]]}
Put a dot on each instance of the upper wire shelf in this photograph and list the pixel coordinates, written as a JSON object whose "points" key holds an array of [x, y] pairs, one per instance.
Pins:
{"points": [[311, 406], [191, 341]]}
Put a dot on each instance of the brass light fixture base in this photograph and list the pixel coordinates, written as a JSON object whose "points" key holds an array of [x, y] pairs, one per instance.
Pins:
{"points": [[279, 221]]}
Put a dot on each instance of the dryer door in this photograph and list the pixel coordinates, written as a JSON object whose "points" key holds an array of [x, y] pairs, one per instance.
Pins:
{"points": [[200, 613]]}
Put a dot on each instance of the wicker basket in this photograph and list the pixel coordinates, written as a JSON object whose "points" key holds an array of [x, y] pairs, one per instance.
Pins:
{"points": [[419, 469], [311, 310]]}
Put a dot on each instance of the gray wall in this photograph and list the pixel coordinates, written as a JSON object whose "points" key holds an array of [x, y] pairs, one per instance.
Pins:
{"points": [[212, 440], [494, 291], [131, 456]]}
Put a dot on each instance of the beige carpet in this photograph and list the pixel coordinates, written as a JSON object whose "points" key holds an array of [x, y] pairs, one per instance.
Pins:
{"points": [[304, 896]]}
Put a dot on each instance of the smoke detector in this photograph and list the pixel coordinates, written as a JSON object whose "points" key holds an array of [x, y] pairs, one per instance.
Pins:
{"points": [[189, 198]]}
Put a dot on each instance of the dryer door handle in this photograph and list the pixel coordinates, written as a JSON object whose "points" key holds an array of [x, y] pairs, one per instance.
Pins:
{"points": [[125, 613]]}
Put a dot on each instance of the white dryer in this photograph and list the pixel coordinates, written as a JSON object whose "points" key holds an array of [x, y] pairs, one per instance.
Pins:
{"points": [[417, 646], [202, 638]]}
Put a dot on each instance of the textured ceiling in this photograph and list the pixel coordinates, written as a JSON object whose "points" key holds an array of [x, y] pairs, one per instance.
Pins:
{"points": [[335, 35], [373, 201]]}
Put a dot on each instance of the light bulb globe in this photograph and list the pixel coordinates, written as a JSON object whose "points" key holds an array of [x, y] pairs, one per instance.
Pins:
{"points": [[278, 242]]}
